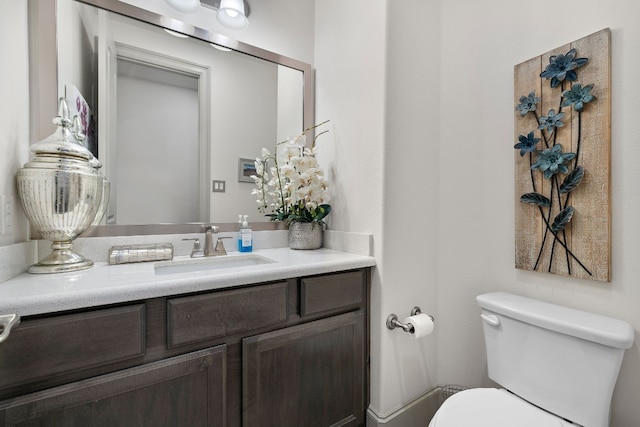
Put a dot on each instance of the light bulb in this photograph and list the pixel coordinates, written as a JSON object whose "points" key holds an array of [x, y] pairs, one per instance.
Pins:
{"points": [[232, 14]]}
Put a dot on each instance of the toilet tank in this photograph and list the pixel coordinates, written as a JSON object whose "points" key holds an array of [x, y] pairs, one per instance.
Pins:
{"points": [[563, 360]]}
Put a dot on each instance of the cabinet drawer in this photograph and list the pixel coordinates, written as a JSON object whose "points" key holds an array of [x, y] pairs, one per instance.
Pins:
{"points": [[202, 317], [332, 293], [43, 348], [187, 390]]}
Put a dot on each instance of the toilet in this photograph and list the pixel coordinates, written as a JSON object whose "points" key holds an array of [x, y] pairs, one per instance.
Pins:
{"points": [[557, 367]]}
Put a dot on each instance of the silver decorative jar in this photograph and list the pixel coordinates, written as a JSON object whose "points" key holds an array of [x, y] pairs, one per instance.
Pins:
{"points": [[305, 235], [62, 193]]}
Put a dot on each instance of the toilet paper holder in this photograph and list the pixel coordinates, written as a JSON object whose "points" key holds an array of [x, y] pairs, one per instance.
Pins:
{"points": [[393, 322]]}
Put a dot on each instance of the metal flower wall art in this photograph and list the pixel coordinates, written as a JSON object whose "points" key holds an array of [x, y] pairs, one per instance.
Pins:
{"points": [[562, 160]]}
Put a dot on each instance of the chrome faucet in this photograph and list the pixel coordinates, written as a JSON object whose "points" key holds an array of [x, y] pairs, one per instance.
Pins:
{"points": [[209, 250]]}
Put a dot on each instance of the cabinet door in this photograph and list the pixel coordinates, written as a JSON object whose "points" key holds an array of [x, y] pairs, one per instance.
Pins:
{"points": [[187, 390], [307, 375]]}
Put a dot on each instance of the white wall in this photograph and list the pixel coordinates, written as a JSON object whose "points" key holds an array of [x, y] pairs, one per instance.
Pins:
{"points": [[241, 125], [14, 109], [76, 38], [290, 105], [158, 127], [378, 82], [248, 88], [481, 42], [410, 223], [350, 91], [432, 85]]}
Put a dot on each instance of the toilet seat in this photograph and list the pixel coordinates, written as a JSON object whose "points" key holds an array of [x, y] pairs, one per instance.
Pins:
{"points": [[491, 407]]}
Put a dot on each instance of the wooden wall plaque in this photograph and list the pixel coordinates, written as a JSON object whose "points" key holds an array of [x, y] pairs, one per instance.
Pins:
{"points": [[563, 220]]}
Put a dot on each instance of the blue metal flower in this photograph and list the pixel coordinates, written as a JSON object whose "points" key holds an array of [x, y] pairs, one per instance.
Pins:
{"points": [[561, 67], [527, 143], [551, 121], [552, 160], [578, 96], [527, 103]]}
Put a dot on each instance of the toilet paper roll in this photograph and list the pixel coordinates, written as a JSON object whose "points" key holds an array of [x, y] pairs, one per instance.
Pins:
{"points": [[422, 325]]}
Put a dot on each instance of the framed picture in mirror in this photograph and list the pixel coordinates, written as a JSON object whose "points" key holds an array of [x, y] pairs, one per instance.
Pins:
{"points": [[78, 106], [246, 168]]}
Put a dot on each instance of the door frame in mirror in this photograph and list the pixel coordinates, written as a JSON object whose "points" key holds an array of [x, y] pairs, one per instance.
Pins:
{"points": [[43, 96]]}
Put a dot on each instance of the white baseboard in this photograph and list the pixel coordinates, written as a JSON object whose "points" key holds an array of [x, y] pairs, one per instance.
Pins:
{"points": [[417, 413]]}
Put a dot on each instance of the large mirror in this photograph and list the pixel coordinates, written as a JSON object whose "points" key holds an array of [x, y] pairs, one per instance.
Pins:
{"points": [[175, 120]]}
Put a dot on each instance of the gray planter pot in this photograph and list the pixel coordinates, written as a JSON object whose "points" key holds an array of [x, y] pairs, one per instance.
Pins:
{"points": [[305, 235]]}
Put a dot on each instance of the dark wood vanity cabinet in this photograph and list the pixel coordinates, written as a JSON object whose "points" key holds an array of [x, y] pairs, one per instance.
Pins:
{"points": [[286, 353]]}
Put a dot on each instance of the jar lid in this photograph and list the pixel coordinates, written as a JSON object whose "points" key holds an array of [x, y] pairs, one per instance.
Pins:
{"points": [[63, 141]]}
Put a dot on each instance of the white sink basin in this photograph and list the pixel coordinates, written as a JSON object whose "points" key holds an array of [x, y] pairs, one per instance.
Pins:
{"points": [[210, 263]]}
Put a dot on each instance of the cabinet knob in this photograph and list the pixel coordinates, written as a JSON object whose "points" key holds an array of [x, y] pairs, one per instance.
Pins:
{"points": [[7, 322]]}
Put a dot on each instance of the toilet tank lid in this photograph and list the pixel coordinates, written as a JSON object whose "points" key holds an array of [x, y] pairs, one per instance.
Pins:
{"points": [[581, 324]]}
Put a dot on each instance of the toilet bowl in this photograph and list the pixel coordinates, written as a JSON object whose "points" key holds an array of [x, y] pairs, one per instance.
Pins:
{"points": [[492, 407], [557, 367]]}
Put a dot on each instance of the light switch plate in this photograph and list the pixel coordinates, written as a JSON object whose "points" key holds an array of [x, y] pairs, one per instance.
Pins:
{"points": [[218, 186], [6, 215]]}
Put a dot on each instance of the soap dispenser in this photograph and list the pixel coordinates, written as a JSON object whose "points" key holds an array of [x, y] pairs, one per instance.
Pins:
{"points": [[245, 241], [239, 231]]}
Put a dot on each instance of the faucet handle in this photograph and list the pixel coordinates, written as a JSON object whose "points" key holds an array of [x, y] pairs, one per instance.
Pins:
{"points": [[197, 249], [219, 249]]}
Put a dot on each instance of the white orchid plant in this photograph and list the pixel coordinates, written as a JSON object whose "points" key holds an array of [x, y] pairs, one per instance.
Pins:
{"points": [[290, 184]]}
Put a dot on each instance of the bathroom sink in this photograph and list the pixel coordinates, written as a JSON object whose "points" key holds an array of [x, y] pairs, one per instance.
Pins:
{"points": [[210, 263]]}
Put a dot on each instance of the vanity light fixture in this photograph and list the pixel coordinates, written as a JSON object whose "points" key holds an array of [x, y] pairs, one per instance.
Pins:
{"points": [[186, 6], [179, 28], [220, 48], [232, 14], [176, 34]]}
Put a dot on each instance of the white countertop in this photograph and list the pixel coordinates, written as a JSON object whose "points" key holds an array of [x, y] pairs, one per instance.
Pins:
{"points": [[30, 294]]}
